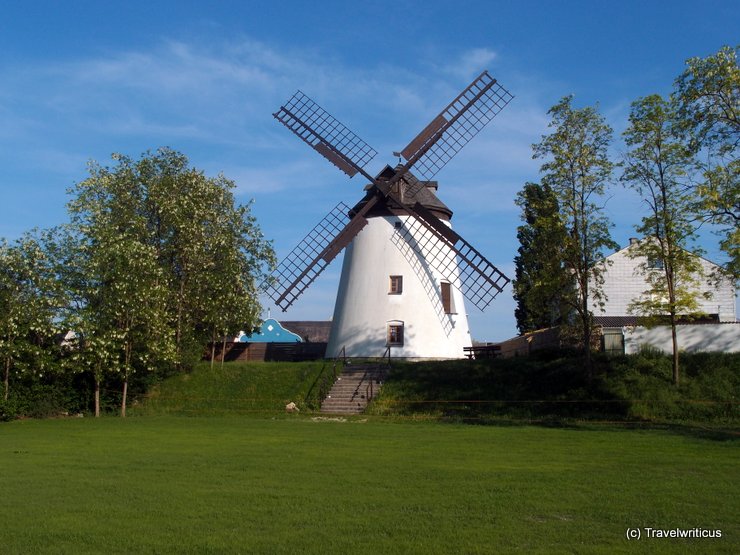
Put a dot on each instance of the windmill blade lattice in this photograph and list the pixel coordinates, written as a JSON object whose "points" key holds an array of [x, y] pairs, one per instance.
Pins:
{"points": [[453, 257], [305, 262], [325, 134], [455, 126]]}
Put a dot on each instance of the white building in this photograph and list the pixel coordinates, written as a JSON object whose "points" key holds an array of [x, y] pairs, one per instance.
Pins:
{"points": [[624, 283]]}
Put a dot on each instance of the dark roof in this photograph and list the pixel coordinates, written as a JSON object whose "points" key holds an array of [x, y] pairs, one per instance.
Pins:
{"points": [[615, 321], [413, 191], [621, 321], [314, 331]]}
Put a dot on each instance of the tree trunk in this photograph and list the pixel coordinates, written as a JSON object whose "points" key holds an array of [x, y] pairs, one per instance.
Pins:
{"points": [[178, 328], [586, 323], [6, 378], [213, 346], [670, 275], [125, 393], [97, 397], [587, 355], [127, 361], [674, 338], [223, 350]]}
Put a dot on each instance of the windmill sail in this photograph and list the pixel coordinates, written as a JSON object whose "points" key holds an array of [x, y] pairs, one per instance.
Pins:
{"points": [[450, 255], [303, 265], [325, 134], [314, 253], [435, 243], [455, 126]]}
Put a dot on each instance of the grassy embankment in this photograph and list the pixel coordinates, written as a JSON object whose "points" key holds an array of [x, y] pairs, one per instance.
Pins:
{"points": [[238, 388], [553, 386], [538, 388]]}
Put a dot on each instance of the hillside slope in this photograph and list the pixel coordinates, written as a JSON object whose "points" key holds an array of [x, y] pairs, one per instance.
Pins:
{"points": [[554, 385], [236, 388]]}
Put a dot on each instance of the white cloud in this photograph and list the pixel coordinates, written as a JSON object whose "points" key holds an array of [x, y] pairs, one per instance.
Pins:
{"points": [[470, 63]]}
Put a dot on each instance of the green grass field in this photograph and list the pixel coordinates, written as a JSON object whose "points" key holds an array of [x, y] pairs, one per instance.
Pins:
{"points": [[239, 484]]}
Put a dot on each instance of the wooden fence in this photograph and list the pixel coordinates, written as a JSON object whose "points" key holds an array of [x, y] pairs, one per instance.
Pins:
{"points": [[288, 352]]}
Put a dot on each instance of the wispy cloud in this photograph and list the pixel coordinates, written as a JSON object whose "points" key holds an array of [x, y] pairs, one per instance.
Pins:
{"points": [[470, 63]]}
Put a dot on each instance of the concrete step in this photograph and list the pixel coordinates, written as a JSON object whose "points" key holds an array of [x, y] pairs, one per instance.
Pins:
{"points": [[348, 394]]}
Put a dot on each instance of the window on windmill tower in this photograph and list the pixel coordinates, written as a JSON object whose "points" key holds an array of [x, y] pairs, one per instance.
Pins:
{"points": [[395, 333], [446, 291], [396, 285]]}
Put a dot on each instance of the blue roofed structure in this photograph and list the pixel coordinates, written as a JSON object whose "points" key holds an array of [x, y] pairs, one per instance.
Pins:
{"points": [[271, 332]]}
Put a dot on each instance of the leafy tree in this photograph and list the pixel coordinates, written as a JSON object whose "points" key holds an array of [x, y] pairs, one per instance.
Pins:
{"points": [[577, 170], [123, 314], [161, 258], [543, 285], [89, 348], [211, 250], [658, 166], [28, 300], [235, 306], [708, 95]]}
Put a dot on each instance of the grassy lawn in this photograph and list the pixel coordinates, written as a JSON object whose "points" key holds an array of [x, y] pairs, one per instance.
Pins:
{"points": [[299, 485]]}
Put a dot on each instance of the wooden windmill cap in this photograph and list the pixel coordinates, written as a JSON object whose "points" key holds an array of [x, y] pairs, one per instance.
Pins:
{"points": [[412, 190]]}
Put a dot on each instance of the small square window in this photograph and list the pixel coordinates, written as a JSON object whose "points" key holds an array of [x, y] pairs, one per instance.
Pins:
{"points": [[396, 285], [395, 334], [655, 263]]}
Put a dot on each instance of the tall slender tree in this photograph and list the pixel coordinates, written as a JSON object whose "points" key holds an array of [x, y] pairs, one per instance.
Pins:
{"points": [[542, 286], [708, 95], [577, 170], [658, 166]]}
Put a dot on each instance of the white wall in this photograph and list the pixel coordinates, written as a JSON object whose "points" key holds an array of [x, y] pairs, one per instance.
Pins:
{"points": [[623, 283], [691, 338]]}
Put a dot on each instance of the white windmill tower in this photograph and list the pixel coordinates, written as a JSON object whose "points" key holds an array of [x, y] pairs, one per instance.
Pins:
{"points": [[405, 270]]}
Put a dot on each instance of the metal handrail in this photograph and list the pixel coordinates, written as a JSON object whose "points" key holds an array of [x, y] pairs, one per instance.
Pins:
{"points": [[343, 354], [387, 352]]}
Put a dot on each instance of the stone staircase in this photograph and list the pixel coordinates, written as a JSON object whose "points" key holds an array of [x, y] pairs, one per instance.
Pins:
{"points": [[354, 389]]}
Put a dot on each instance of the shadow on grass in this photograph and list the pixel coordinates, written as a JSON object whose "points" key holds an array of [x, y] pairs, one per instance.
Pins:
{"points": [[694, 431], [552, 390]]}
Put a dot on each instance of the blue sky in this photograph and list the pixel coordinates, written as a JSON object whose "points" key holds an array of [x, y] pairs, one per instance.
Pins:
{"points": [[81, 80]]}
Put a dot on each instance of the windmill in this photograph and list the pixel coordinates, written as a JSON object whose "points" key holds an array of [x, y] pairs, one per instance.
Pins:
{"points": [[406, 272]]}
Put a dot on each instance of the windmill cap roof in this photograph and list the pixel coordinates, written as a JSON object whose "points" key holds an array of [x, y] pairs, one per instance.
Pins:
{"points": [[415, 191]]}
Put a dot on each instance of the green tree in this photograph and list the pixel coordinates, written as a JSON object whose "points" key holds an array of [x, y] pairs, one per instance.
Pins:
{"points": [[210, 248], [89, 349], [658, 166], [708, 95], [28, 303], [577, 170], [123, 314], [235, 306], [542, 286], [161, 259]]}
